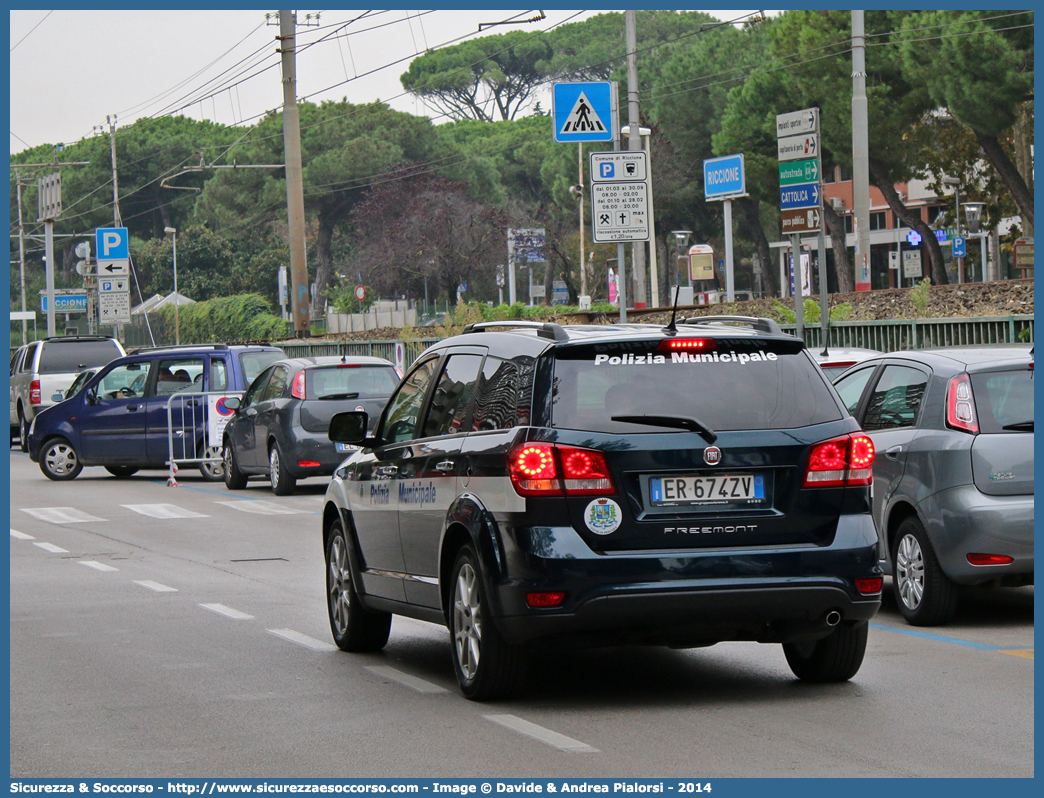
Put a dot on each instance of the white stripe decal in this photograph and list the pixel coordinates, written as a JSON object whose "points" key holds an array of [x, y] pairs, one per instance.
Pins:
{"points": [[554, 739], [261, 507], [412, 682], [52, 548], [228, 612], [97, 566], [155, 586], [163, 511], [302, 640], [60, 515], [21, 535]]}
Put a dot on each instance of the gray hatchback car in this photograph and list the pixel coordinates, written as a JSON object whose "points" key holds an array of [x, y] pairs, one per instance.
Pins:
{"points": [[953, 477]]}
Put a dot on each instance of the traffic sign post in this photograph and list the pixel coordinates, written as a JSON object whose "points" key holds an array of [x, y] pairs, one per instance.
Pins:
{"points": [[585, 111], [724, 178], [619, 196]]}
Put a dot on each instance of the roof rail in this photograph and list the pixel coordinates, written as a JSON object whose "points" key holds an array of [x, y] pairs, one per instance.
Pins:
{"points": [[760, 324], [176, 347], [544, 329], [77, 338]]}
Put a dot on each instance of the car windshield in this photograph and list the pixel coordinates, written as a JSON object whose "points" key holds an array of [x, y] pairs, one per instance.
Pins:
{"points": [[62, 357], [1004, 400], [254, 363], [351, 381], [740, 385]]}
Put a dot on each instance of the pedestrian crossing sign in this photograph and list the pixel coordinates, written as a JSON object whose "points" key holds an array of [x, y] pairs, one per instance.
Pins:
{"points": [[585, 111]]}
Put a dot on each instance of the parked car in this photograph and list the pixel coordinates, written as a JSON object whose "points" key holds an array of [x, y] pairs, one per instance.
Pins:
{"points": [[119, 419], [953, 480], [546, 486], [836, 360], [42, 370], [281, 426]]}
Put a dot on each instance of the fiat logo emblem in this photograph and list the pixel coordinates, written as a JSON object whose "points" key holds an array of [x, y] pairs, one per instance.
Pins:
{"points": [[712, 455]]}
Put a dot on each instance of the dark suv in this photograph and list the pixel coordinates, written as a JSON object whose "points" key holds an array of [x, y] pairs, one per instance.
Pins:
{"points": [[119, 419], [549, 486]]}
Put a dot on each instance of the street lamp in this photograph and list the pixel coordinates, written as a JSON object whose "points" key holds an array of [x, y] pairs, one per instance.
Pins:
{"points": [[681, 241], [173, 233], [973, 215], [956, 183]]}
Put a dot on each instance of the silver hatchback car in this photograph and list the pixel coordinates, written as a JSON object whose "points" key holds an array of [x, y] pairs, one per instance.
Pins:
{"points": [[953, 477]]}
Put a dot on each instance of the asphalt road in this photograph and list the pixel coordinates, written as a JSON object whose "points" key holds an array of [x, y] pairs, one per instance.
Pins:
{"points": [[179, 632]]}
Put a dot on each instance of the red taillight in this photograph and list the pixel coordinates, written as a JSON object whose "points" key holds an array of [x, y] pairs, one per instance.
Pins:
{"points": [[844, 461], [549, 599], [989, 559], [544, 469], [298, 390], [960, 405], [870, 585], [688, 345], [349, 365], [308, 464], [840, 364], [34, 392]]}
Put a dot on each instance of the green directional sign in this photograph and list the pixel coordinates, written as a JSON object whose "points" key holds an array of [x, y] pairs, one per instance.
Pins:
{"points": [[791, 173]]}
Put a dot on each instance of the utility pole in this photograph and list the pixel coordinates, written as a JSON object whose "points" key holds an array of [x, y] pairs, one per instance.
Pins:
{"points": [[860, 155], [299, 297], [634, 142], [21, 253], [115, 180]]}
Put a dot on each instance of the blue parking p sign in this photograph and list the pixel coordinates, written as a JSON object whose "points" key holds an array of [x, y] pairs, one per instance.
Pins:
{"points": [[959, 247], [111, 243]]}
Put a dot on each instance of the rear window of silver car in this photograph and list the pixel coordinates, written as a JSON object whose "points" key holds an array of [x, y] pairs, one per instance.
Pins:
{"points": [[64, 357], [350, 381], [738, 387], [1004, 399]]}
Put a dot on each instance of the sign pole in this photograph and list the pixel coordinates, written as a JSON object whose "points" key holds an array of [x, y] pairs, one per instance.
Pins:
{"points": [[49, 272], [580, 196], [824, 302], [730, 280], [799, 296], [511, 267], [621, 274]]}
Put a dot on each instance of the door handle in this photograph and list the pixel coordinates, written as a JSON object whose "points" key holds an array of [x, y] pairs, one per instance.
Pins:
{"points": [[386, 471], [892, 453], [445, 467], [131, 407]]}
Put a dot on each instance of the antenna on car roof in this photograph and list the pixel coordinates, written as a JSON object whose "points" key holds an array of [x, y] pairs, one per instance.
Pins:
{"points": [[672, 328]]}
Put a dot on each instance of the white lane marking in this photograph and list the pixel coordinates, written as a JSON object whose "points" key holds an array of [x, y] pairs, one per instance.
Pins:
{"points": [[51, 548], [228, 612], [60, 515], [97, 566], [163, 511], [21, 535], [155, 586], [554, 739], [412, 682], [261, 507], [302, 640]]}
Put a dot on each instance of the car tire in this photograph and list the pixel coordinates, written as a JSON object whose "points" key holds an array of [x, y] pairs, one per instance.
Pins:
{"points": [[835, 658], [924, 594], [59, 461], [23, 432], [234, 478], [212, 472], [121, 472], [487, 666], [354, 627], [283, 484]]}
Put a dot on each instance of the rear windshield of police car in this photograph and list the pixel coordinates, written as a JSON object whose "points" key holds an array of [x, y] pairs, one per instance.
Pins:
{"points": [[66, 357], [727, 384]]}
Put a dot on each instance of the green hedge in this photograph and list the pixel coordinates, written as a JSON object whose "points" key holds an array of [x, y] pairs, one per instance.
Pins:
{"points": [[247, 317]]}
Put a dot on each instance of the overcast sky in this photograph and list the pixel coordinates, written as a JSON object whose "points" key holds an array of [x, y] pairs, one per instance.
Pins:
{"points": [[70, 69]]}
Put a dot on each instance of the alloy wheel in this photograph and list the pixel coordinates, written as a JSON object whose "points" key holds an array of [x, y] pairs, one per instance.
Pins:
{"points": [[339, 585], [60, 459], [467, 621], [273, 465], [909, 571]]}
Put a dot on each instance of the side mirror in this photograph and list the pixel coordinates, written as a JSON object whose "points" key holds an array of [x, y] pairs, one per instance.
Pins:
{"points": [[233, 403], [91, 397], [350, 427]]}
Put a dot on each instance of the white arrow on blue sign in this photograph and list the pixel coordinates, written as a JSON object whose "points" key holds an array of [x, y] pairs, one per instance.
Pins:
{"points": [[111, 243], [724, 177], [805, 195]]}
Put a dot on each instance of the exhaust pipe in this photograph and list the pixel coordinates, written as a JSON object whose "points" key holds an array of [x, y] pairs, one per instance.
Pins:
{"points": [[833, 618]]}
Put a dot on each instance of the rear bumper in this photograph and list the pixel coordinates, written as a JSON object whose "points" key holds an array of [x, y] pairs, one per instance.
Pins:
{"points": [[964, 520], [314, 447], [685, 597]]}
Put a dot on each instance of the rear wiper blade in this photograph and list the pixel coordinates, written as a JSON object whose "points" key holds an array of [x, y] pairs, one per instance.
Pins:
{"points": [[339, 396], [678, 422], [1021, 426]]}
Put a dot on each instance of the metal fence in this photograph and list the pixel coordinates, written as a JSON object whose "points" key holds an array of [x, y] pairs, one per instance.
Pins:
{"points": [[899, 334], [189, 431]]}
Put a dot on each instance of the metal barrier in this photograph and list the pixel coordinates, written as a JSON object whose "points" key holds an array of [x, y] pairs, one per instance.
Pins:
{"points": [[901, 334], [385, 349], [188, 417]]}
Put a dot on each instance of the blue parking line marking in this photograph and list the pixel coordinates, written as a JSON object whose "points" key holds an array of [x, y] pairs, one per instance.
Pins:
{"points": [[940, 638]]}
